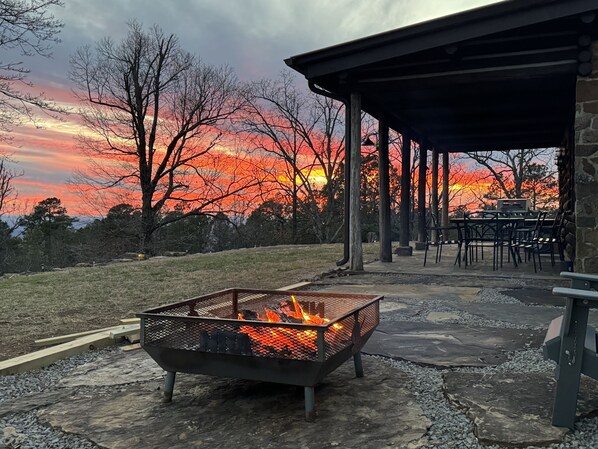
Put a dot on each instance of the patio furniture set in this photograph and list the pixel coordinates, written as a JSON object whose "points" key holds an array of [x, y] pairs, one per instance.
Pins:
{"points": [[520, 235]]}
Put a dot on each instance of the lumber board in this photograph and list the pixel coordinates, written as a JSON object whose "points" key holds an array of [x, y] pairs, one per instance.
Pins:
{"points": [[296, 286], [70, 337], [131, 347], [47, 356], [129, 320], [123, 331], [133, 338]]}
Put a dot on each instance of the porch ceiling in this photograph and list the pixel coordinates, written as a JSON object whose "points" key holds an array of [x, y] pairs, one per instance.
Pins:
{"points": [[494, 78]]}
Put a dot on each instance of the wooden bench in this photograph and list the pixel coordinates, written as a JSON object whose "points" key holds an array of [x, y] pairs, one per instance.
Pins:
{"points": [[571, 342]]}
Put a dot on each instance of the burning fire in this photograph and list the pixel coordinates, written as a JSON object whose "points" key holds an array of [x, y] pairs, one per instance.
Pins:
{"points": [[280, 339]]}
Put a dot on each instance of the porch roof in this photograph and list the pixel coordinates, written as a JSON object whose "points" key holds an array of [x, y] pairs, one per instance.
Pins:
{"points": [[493, 78]]}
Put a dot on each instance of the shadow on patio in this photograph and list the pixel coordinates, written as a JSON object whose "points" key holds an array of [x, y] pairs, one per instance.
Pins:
{"points": [[482, 267]]}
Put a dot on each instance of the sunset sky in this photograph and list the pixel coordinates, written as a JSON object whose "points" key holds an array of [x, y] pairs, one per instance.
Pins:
{"points": [[252, 36]]}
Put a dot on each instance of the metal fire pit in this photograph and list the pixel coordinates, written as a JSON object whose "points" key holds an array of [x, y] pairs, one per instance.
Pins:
{"points": [[204, 335]]}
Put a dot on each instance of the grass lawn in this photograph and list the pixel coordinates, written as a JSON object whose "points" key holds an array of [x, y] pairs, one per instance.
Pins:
{"points": [[77, 299]]}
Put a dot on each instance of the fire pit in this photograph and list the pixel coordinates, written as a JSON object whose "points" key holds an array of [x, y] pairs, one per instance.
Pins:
{"points": [[287, 337]]}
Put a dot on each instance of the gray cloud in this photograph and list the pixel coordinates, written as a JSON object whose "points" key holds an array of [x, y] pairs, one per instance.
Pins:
{"points": [[253, 36]]}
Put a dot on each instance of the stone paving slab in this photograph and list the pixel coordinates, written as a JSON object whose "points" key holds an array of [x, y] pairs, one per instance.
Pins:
{"points": [[462, 278], [541, 297], [448, 345], [392, 306], [513, 408], [518, 314], [30, 402], [482, 269], [114, 369], [411, 291], [375, 411], [535, 296]]}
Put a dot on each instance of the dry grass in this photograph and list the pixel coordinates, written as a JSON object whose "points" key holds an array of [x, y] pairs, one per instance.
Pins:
{"points": [[78, 299]]}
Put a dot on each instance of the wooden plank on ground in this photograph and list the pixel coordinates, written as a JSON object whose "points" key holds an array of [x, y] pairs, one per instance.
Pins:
{"points": [[123, 331], [131, 347], [133, 338], [129, 320], [296, 286], [47, 356], [70, 337]]}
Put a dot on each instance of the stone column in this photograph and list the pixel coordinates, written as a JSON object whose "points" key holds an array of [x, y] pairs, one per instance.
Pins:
{"points": [[586, 169]]}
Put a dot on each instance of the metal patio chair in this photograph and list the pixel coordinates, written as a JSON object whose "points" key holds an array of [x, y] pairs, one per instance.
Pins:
{"points": [[438, 236]]}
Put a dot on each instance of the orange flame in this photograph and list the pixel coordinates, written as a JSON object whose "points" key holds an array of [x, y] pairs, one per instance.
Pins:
{"points": [[281, 339]]}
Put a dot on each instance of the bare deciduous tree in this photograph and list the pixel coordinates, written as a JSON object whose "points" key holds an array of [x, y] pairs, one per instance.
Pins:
{"points": [[27, 28], [518, 174], [304, 133], [8, 193], [156, 115]]}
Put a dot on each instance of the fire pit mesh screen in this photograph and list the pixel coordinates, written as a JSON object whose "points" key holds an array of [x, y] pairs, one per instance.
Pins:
{"points": [[366, 321], [290, 325]]}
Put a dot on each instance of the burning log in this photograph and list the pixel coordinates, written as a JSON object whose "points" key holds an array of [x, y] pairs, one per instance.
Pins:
{"points": [[279, 340], [225, 342]]}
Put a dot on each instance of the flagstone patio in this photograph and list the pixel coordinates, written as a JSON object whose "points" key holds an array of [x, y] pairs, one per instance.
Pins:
{"points": [[456, 357]]}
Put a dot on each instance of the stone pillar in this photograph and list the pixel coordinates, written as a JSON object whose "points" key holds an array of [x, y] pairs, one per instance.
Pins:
{"points": [[355, 247], [586, 169], [565, 163], [384, 188]]}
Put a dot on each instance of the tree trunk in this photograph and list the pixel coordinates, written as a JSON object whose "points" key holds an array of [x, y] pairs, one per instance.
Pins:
{"points": [[356, 249], [148, 225], [294, 212], [384, 192], [405, 219]]}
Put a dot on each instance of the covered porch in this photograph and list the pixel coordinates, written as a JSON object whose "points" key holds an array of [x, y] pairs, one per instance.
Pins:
{"points": [[512, 75]]}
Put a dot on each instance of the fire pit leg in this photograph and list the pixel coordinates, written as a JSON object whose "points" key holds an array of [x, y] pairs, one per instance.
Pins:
{"points": [[309, 404], [358, 365], [168, 386]]}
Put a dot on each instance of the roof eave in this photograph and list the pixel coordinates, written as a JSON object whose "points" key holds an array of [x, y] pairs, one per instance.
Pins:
{"points": [[444, 31]]}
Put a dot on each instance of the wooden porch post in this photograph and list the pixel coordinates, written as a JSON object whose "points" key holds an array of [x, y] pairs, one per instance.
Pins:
{"points": [[434, 193], [355, 249], [384, 188], [445, 188], [421, 197], [404, 249]]}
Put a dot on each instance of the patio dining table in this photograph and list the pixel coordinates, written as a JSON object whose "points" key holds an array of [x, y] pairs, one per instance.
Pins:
{"points": [[495, 228]]}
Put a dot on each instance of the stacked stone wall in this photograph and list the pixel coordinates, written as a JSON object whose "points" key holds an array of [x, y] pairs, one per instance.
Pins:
{"points": [[565, 162], [586, 170]]}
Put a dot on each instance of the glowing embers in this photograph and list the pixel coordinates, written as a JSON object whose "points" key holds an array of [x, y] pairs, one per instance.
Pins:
{"points": [[287, 341]]}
